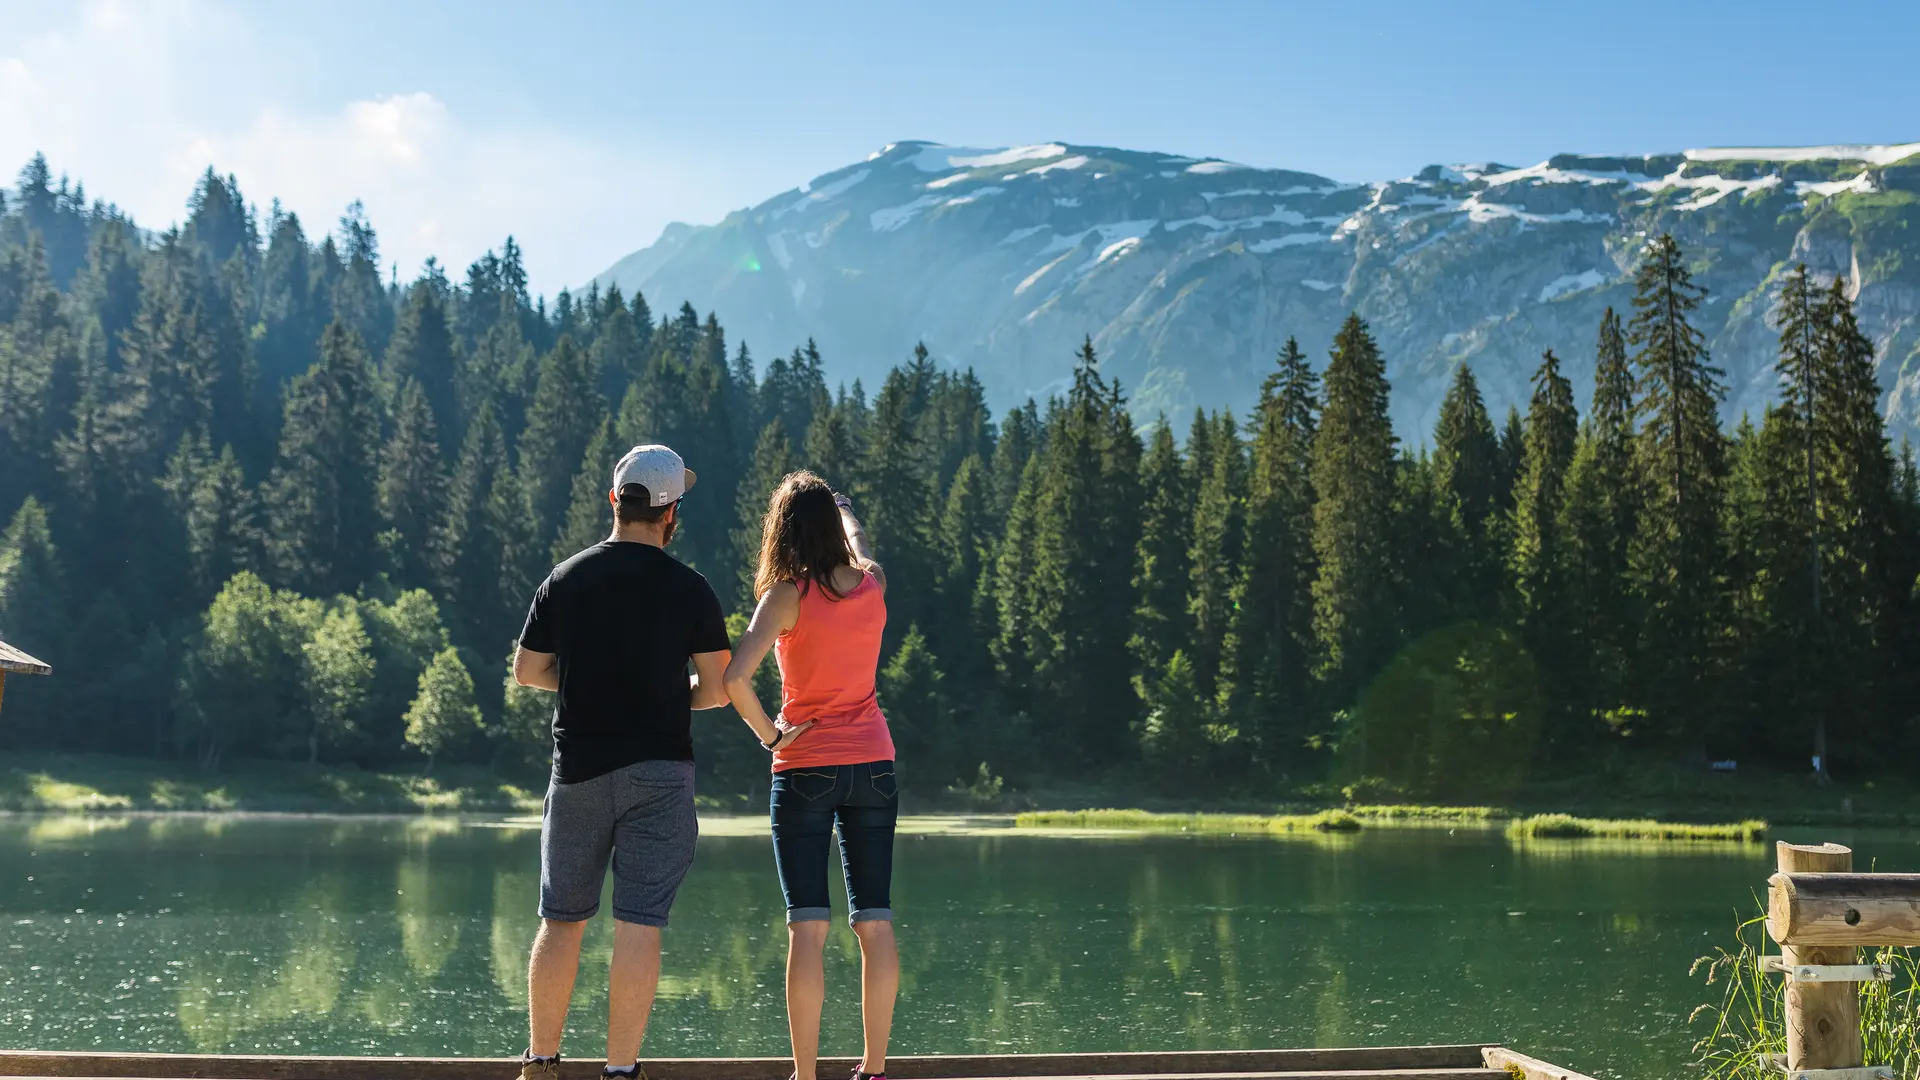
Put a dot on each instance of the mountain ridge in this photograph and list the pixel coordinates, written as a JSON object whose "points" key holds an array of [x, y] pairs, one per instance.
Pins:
{"points": [[1188, 273]]}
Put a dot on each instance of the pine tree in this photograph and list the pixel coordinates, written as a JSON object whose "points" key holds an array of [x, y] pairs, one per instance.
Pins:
{"points": [[291, 312], [1266, 664], [1007, 596], [1087, 497], [964, 548], [472, 545], [1469, 466], [895, 489], [772, 459], [1163, 556], [915, 699], [1214, 557], [423, 352], [565, 412], [1353, 483], [412, 486], [1535, 558], [1681, 452], [588, 511], [321, 497]]}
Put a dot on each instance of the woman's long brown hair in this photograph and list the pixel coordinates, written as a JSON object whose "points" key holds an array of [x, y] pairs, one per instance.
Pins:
{"points": [[801, 539]]}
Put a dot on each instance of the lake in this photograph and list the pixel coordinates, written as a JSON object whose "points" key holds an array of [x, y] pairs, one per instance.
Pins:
{"points": [[410, 936]]}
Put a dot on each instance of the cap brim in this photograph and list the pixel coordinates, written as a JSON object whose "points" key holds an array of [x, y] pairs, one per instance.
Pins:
{"points": [[690, 478]]}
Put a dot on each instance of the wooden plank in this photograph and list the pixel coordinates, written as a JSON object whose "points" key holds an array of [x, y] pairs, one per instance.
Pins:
{"points": [[19, 663], [1527, 1068], [1822, 1020], [1230, 1063], [1820, 909]]}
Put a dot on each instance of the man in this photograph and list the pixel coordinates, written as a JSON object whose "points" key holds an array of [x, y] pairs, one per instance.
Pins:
{"points": [[611, 631]]}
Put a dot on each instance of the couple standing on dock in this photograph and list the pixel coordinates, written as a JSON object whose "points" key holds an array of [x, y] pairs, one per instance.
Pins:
{"points": [[611, 631]]}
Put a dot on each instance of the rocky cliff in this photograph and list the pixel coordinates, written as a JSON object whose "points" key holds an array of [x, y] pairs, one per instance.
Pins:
{"points": [[1188, 274]]}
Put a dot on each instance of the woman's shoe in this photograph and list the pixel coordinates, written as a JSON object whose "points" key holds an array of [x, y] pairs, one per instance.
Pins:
{"points": [[533, 1068], [858, 1075]]}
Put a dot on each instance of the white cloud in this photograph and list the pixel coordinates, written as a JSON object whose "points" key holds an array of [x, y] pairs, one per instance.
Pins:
{"points": [[136, 100]]}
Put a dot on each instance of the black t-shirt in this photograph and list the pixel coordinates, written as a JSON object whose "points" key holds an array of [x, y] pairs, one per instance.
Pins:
{"points": [[623, 619]]}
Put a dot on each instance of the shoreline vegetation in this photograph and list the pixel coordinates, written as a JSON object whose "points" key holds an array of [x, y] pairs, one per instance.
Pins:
{"points": [[1359, 818], [1638, 811]]}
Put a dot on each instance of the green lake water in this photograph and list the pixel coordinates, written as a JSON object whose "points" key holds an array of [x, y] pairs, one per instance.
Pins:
{"points": [[398, 936]]}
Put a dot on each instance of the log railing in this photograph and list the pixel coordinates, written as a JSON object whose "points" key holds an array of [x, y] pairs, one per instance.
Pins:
{"points": [[1821, 913]]}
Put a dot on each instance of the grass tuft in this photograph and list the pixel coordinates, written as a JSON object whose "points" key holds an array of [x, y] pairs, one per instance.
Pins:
{"points": [[1568, 827], [1147, 821]]}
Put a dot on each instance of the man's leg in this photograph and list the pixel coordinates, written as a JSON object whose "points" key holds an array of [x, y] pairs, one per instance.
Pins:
{"points": [[576, 838], [653, 845], [631, 982], [879, 986], [556, 959], [806, 992]]}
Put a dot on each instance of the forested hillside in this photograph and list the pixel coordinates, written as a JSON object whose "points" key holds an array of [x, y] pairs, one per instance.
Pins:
{"points": [[266, 499]]}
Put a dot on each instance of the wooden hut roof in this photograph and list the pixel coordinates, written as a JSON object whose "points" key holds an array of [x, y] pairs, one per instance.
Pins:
{"points": [[13, 661]]}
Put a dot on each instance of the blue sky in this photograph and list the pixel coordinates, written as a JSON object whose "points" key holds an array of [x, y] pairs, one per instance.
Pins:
{"points": [[583, 128]]}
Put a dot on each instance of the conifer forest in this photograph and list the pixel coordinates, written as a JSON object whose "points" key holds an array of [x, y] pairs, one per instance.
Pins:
{"points": [[265, 499]]}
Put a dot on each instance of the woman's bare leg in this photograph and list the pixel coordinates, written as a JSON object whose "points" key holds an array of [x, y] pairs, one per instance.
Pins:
{"points": [[879, 985], [806, 992]]}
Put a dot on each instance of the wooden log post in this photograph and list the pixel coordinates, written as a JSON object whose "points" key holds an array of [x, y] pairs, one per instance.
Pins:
{"points": [[1822, 1019]]}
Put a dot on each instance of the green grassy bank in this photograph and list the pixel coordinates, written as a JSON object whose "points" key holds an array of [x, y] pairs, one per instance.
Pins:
{"points": [[91, 783], [1610, 802], [1357, 818]]}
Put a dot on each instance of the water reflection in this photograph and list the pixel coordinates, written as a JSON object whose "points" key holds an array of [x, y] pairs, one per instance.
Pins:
{"points": [[409, 936]]}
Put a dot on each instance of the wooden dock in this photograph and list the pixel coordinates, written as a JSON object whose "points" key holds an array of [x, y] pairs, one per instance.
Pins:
{"points": [[1465, 1062]]}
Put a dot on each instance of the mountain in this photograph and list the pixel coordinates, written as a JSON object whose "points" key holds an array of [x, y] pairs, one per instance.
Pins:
{"points": [[1189, 273]]}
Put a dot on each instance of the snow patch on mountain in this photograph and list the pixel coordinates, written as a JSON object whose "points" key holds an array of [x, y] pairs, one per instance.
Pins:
{"points": [[1073, 162], [1862, 184], [821, 194], [1873, 155], [1275, 243], [1206, 167], [1568, 283], [777, 243], [942, 158]]}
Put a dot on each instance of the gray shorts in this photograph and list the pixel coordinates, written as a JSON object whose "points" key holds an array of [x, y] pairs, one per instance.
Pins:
{"points": [[642, 817]]}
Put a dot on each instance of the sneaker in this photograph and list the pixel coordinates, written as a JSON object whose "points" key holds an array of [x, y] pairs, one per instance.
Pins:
{"points": [[858, 1075], [639, 1072], [533, 1068]]}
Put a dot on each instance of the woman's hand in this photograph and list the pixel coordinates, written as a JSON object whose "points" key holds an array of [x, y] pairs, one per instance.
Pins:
{"points": [[788, 733]]}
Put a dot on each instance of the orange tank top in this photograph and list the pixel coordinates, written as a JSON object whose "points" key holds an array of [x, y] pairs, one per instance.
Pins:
{"points": [[827, 663]]}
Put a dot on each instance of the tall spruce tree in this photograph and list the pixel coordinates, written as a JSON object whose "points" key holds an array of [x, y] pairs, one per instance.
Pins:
{"points": [[321, 495], [1469, 467], [1267, 654], [412, 487], [1536, 558], [772, 459], [1162, 623], [423, 350], [1353, 482], [566, 409], [588, 512], [1218, 509], [1678, 554]]}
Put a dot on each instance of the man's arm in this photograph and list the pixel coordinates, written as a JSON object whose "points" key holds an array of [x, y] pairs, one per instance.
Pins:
{"points": [[708, 680], [539, 670]]}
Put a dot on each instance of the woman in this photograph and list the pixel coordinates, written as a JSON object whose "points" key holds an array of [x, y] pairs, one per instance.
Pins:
{"points": [[822, 606]]}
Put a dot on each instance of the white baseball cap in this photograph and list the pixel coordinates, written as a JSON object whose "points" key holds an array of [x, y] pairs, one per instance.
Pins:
{"points": [[656, 468]]}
